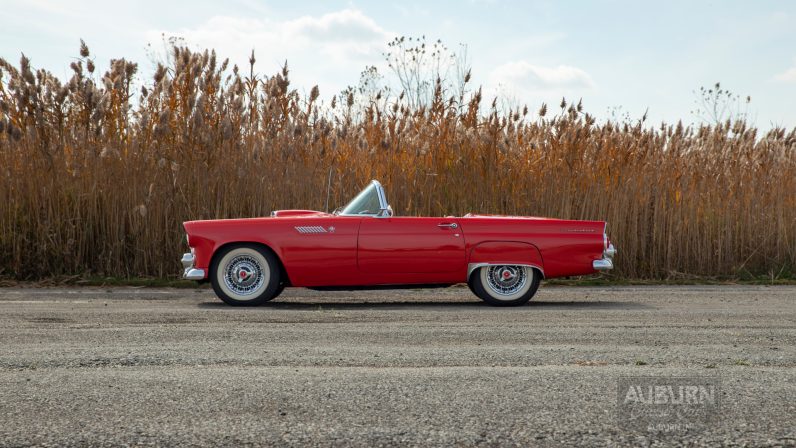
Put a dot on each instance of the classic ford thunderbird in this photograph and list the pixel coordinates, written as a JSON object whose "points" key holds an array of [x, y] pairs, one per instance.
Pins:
{"points": [[364, 245]]}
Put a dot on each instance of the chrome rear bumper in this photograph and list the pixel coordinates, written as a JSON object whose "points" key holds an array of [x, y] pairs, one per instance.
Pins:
{"points": [[189, 272], [605, 263]]}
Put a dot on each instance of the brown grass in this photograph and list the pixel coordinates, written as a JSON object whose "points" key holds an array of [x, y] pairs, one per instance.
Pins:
{"points": [[95, 182]]}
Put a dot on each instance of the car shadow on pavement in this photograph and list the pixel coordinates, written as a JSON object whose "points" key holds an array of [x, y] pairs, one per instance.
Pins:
{"points": [[336, 305]]}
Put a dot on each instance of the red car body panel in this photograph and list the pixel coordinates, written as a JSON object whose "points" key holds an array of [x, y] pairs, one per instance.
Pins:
{"points": [[507, 252], [408, 245], [321, 249]]}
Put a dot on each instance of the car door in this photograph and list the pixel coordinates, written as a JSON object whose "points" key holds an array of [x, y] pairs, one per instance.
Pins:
{"points": [[396, 245], [318, 251]]}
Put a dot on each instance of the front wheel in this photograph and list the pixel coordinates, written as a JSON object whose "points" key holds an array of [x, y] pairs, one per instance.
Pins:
{"points": [[245, 275], [505, 285]]}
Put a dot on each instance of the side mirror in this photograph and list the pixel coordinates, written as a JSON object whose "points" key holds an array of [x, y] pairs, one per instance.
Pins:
{"points": [[385, 212]]}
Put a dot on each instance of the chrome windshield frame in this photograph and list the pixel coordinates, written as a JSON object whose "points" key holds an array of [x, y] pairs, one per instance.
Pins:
{"points": [[383, 206]]}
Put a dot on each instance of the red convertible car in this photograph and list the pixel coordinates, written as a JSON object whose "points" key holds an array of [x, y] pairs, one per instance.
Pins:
{"points": [[363, 245]]}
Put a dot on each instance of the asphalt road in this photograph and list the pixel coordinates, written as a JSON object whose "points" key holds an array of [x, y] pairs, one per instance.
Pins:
{"points": [[433, 367]]}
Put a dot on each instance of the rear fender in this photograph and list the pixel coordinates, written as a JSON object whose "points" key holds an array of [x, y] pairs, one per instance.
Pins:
{"points": [[505, 252]]}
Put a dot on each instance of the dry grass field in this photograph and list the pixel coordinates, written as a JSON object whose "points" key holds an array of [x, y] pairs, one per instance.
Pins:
{"points": [[96, 175]]}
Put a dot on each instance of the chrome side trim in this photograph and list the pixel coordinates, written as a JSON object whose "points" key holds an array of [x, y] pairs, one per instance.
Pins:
{"points": [[310, 229], [473, 266], [193, 274], [603, 264]]}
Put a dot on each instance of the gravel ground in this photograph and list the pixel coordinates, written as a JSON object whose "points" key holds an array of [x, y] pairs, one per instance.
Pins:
{"points": [[126, 366]]}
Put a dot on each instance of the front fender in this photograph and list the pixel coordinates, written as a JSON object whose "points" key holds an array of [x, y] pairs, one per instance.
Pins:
{"points": [[206, 238]]}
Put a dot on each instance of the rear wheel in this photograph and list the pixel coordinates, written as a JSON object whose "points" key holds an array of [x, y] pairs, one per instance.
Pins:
{"points": [[505, 285], [245, 275]]}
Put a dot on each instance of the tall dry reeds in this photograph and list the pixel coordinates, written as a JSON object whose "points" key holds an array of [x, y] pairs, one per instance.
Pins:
{"points": [[97, 178]]}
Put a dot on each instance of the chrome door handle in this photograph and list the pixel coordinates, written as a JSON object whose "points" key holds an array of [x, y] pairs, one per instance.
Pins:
{"points": [[450, 226]]}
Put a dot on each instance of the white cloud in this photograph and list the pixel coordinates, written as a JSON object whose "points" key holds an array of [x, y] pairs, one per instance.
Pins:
{"points": [[521, 82], [330, 50], [526, 76], [342, 26], [787, 76]]}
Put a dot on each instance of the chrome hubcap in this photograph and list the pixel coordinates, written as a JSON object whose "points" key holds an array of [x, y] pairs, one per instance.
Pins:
{"points": [[243, 275], [506, 280]]}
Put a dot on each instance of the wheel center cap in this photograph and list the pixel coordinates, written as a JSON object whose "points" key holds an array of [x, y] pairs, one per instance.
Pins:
{"points": [[243, 275]]}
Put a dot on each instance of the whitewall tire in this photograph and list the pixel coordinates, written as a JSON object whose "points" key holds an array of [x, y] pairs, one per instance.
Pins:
{"points": [[245, 275], [505, 285]]}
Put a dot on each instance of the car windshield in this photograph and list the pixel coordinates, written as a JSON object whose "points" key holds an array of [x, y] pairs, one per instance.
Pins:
{"points": [[365, 203]]}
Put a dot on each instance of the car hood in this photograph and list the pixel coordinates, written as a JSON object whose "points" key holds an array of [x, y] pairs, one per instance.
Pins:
{"points": [[277, 214]]}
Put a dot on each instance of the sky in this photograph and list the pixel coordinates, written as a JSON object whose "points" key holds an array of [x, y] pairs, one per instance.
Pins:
{"points": [[622, 58]]}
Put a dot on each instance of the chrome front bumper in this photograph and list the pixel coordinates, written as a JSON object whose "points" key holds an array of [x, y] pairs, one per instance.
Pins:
{"points": [[191, 273], [606, 262]]}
